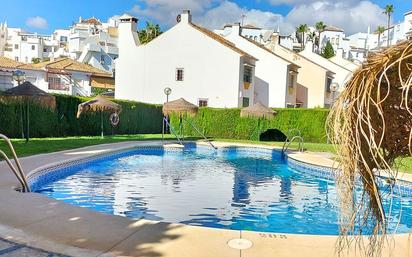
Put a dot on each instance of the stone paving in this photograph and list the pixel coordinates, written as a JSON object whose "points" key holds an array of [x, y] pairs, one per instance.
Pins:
{"points": [[13, 249]]}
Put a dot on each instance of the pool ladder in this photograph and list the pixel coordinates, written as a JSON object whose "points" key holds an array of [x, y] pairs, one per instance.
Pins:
{"points": [[17, 170], [290, 139]]}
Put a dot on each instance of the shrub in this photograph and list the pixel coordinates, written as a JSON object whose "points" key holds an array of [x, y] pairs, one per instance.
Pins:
{"points": [[136, 118], [227, 123]]}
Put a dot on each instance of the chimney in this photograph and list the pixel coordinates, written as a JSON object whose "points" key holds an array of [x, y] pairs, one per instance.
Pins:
{"points": [[128, 21], [236, 28], [185, 17], [127, 33]]}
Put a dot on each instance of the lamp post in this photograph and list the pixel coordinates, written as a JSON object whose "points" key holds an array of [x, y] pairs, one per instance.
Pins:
{"points": [[167, 92], [20, 76]]}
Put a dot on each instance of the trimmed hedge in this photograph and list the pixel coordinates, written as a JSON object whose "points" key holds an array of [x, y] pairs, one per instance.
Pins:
{"points": [[227, 123], [136, 118]]}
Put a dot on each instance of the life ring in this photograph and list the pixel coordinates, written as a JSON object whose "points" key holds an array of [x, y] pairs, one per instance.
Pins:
{"points": [[114, 119]]}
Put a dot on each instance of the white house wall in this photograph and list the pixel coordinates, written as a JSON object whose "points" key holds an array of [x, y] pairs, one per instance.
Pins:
{"points": [[211, 70], [271, 73]]}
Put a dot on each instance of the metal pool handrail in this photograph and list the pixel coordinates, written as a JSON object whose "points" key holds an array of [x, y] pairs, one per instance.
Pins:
{"points": [[289, 140], [18, 172]]}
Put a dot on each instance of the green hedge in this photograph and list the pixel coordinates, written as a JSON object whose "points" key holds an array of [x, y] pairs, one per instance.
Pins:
{"points": [[136, 118], [227, 123]]}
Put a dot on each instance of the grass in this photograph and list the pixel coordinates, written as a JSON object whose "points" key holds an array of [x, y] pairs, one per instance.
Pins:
{"points": [[48, 145]]}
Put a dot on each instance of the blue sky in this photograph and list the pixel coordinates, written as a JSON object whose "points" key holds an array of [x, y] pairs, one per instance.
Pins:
{"points": [[43, 16]]}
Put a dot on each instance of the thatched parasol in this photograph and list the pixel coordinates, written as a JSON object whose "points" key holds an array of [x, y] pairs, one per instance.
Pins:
{"points": [[99, 104], [28, 93], [257, 110], [371, 125], [180, 107]]}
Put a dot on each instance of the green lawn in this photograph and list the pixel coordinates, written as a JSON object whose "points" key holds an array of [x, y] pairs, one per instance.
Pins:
{"points": [[47, 145]]}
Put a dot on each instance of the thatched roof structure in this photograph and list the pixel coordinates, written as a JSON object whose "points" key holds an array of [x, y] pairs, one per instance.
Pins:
{"points": [[257, 110], [98, 104], [28, 92], [180, 107], [371, 125]]}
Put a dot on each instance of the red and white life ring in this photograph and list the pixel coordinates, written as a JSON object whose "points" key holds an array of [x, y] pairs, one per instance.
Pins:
{"points": [[114, 119]]}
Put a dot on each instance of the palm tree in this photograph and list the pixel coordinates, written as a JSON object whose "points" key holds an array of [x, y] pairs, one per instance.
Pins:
{"points": [[388, 11], [320, 27], [312, 37], [302, 29], [149, 33], [379, 30]]}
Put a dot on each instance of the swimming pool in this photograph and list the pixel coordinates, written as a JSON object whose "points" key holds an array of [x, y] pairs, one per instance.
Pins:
{"points": [[233, 188]]}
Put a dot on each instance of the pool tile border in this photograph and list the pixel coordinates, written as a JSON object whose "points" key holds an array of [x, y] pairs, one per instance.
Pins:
{"points": [[55, 171]]}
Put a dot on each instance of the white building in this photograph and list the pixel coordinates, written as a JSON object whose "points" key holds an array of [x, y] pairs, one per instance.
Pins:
{"points": [[61, 76], [88, 41], [398, 32], [275, 76], [341, 74], [93, 42], [197, 64]]}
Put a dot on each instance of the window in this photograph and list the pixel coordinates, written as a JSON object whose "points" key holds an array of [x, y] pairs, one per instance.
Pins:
{"points": [[202, 102], [16, 46], [179, 74], [45, 50], [247, 74], [63, 39], [245, 102], [33, 47], [2, 36], [55, 83], [16, 59], [328, 84]]}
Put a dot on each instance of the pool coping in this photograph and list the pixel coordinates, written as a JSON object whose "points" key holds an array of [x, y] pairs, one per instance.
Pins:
{"points": [[43, 232]]}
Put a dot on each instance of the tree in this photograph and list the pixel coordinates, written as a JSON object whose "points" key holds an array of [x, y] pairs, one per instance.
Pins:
{"points": [[379, 30], [312, 37], [328, 51], [35, 60], [388, 11], [149, 33], [320, 27], [302, 29]]}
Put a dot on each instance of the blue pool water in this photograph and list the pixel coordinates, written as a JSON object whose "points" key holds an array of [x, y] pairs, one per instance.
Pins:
{"points": [[233, 188]]}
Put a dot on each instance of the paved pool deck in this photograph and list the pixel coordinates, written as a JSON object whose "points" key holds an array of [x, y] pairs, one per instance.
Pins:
{"points": [[54, 227]]}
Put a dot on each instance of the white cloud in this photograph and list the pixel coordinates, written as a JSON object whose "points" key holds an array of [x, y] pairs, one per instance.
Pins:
{"points": [[37, 22], [165, 11], [350, 15], [229, 12]]}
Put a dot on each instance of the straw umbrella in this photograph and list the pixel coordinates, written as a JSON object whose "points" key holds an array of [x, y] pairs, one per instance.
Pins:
{"points": [[259, 111], [99, 104], [182, 108], [27, 93]]}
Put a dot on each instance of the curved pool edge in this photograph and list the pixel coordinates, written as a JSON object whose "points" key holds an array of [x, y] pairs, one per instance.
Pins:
{"points": [[64, 224]]}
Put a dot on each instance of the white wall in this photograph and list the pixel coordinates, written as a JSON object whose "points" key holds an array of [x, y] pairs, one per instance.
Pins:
{"points": [[211, 70], [271, 72], [342, 75]]}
